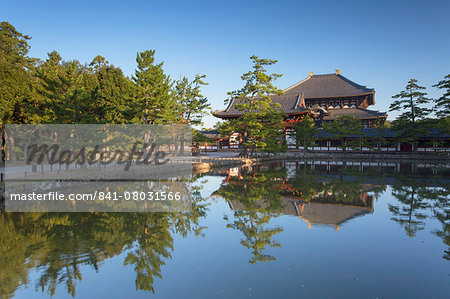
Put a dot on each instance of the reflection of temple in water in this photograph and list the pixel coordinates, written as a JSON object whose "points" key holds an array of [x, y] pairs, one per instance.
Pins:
{"points": [[330, 213], [319, 212], [325, 206]]}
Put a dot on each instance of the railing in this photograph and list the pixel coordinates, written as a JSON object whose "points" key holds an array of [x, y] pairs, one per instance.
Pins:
{"points": [[366, 149], [232, 146], [291, 147]]}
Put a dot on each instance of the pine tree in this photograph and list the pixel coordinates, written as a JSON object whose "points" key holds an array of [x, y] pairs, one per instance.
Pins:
{"points": [[410, 101], [154, 101], [442, 104], [15, 66], [261, 125], [68, 88], [191, 104], [114, 92], [15, 78]]}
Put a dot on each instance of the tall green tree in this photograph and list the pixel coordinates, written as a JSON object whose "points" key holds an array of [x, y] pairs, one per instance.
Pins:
{"points": [[15, 71], [114, 92], [68, 87], [15, 78], [442, 104], [411, 103], [154, 100], [191, 104], [261, 125]]}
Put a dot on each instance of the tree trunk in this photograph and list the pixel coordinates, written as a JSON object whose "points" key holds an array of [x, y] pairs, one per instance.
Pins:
{"points": [[3, 142], [182, 147]]}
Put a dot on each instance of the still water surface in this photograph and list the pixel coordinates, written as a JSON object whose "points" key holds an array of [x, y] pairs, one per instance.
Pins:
{"points": [[270, 231]]}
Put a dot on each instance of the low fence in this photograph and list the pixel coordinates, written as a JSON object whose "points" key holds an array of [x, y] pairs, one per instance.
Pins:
{"points": [[390, 149], [367, 149], [214, 148]]}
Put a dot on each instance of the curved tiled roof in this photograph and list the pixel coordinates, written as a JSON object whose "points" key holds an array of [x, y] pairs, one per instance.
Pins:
{"points": [[357, 112], [327, 86], [290, 104], [317, 87]]}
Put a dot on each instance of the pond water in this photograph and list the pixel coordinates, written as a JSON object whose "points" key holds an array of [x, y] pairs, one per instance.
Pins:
{"points": [[294, 229]]}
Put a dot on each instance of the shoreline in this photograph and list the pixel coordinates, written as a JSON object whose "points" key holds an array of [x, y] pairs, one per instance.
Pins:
{"points": [[205, 163]]}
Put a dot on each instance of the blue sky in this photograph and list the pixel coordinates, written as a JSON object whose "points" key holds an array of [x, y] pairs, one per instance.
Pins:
{"points": [[381, 44]]}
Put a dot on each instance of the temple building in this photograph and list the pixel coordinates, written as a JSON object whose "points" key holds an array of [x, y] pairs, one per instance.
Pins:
{"points": [[324, 97]]}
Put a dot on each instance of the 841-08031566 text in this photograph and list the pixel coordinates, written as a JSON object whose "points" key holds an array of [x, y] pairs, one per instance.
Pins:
{"points": [[98, 195]]}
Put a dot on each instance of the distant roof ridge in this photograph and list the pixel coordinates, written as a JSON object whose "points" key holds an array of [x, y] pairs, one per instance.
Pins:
{"points": [[312, 75], [298, 83], [328, 75], [353, 83]]}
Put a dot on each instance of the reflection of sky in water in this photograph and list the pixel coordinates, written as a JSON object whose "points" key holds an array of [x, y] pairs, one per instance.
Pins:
{"points": [[369, 256]]}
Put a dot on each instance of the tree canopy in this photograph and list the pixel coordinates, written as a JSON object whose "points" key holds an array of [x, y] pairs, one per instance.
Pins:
{"points": [[67, 91], [261, 125], [342, 128], [442, 104]]}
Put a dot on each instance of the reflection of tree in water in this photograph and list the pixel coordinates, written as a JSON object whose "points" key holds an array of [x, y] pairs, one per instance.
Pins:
{"points": [[153, 247], [419, 201], [155, 244], [418, 198], [412, 210], [441, 211], [305, 183], [344, 187], [59, 244], [252, 224], [256, 198], [258, 195], [13, 250], [444, 217]]}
